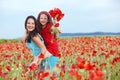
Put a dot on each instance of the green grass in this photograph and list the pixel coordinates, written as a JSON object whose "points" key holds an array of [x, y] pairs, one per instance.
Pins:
{"points": [[9, 40]]}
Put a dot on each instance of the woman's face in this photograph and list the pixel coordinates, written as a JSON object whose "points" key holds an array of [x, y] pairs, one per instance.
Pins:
{"points": [[30, 24], [43, 19]]}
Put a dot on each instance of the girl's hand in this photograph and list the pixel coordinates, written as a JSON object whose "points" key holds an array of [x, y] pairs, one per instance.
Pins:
{"points": [[59, 30], [55, 19]]}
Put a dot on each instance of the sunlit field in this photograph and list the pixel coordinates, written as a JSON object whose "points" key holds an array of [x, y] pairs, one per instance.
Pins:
{"points": [[82, 58]]}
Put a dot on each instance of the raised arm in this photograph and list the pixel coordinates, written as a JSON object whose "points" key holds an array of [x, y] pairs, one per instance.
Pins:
{"points": [[55, 22]]}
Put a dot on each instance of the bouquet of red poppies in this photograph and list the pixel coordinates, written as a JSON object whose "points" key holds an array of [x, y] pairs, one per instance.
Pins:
{"points": [[57, 15]]}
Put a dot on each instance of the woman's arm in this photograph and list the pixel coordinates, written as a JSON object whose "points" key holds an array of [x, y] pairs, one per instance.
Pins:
{"points": [[42, 47], [24, 37], [39, 43]]}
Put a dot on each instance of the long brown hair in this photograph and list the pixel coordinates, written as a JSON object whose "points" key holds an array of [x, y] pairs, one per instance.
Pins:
{"points": [[31, 33], [39, 27]]}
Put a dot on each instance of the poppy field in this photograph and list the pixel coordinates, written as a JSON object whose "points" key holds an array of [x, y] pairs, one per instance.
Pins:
{"points": [[82, 58]]}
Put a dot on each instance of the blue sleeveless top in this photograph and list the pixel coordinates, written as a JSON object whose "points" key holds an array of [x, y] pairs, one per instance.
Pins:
{"points": [[34, 48]]}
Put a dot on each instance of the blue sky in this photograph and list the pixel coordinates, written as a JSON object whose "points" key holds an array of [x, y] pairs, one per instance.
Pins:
{"points": [[80, 15]]}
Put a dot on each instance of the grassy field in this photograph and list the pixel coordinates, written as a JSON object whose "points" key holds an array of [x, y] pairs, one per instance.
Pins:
{"points": [[9, 40], [82, 58]]}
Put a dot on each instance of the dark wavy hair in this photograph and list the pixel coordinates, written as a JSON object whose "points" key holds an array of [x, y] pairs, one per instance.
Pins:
{"points": [[31, 33], [39, 27]]}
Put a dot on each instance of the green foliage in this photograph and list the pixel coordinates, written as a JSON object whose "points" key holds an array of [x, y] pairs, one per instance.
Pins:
{"points": [[9, 40]]}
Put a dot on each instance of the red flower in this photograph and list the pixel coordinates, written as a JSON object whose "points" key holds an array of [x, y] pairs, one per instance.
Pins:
{"points": [[32, 67], [0, 69], [63, 68], [89, 66], [56, 11], [3, 74], [79, 77], [60, 17], [8, 68], [25, 72], [42, 75], [15, 78], [52, 13], [52, 77], [117, 59], [18, 57], [73, 72], [41, 55], [81, 65], [45, 74], [57, 25], [80, 60], [96, 75]]}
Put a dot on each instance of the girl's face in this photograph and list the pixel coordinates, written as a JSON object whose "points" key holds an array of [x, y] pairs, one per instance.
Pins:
{"points": [[30, 24], [43, 19]]}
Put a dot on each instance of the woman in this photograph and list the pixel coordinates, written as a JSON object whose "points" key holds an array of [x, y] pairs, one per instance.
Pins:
{"points": [[35, 42]]}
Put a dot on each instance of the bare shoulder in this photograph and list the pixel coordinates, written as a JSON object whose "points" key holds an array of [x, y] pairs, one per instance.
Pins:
{"points": [[36, 37]]}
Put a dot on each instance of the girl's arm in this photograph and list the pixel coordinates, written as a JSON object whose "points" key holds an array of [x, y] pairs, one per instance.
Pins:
{"points": [[54, 22]]}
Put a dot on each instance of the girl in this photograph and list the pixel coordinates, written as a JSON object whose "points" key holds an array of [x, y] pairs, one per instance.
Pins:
{"points": [[44, 27]]}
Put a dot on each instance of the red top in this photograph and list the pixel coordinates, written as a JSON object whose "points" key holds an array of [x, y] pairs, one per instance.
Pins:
{"points": [[49, 40]]}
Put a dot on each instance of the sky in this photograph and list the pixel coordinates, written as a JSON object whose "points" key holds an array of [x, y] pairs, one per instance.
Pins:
{"points": [[80, 15]]}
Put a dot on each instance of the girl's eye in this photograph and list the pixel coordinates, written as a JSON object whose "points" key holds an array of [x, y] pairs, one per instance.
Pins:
{"points": [[28, 23], [32, 23]]}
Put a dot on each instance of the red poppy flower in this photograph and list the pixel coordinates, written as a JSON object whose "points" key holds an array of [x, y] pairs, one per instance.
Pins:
{"points": [[89, 66], [0, 69], [42, 75], [52, 13], [4, 75], [19, 57], [41, 55], [56, 11], [81, 65], [78, 77], [45, 74], [52, 77], [57, 25], [60, 17], [32, 67], [8, 68], [96, 75]]}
